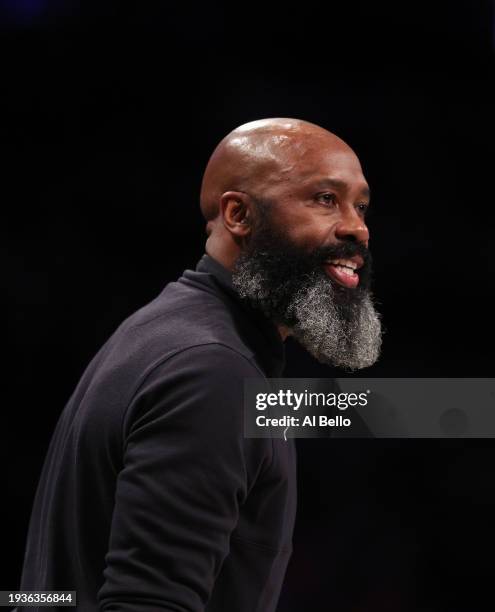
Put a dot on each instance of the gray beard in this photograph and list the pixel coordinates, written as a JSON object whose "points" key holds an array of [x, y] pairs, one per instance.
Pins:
{"points": [[346, 335]]}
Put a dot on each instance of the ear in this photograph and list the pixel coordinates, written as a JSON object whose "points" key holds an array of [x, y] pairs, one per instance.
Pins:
{"points": [[235, 209]]}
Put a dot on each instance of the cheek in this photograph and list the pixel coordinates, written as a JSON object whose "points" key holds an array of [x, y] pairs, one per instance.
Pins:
{"points": [[304, 225], [310, 232]]}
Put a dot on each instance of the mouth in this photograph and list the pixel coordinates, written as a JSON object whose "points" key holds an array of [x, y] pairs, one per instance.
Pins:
{"points": [[344, 270]]}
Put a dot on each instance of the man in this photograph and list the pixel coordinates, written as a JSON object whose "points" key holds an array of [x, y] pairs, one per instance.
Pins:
{"points": [[151, 498]]}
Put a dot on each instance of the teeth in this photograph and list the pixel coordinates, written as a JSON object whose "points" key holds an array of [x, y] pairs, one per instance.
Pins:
{"points": [[345, 264], [346, 270]]}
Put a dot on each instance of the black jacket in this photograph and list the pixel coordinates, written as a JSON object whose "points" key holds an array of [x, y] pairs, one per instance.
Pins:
{"points": [[150, 497]]}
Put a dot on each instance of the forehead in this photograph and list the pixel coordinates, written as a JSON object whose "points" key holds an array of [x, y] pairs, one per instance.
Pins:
{"points": [[317, 160]]}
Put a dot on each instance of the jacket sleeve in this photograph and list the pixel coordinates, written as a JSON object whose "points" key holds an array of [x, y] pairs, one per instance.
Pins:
{"points": [[187, 469]]}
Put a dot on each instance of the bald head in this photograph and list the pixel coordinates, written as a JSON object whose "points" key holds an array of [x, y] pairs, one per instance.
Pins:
{"points": [[259, 154], [278, 166]]}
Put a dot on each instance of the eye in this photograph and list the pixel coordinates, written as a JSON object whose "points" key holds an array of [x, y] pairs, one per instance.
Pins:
{"points": [[326, 198], [362, 207]]}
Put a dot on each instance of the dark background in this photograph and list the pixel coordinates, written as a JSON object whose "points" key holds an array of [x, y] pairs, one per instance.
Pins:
{"points": [[109, 114]]}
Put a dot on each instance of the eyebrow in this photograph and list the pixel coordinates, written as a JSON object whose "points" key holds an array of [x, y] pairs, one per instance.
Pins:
{"points": [[339, 184]]}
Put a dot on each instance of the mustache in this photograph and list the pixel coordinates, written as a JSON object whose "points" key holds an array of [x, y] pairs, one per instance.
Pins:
{"points": [[343, 250]]}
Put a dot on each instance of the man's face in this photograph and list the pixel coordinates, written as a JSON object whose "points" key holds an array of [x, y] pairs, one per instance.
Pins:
{"points": [[320, 200], [307, 264]]}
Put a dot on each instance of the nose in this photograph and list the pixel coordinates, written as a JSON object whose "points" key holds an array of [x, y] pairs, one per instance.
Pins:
{"points": [[352, 227]]}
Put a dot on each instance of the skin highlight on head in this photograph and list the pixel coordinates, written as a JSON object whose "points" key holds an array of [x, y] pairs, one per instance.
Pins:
{"points": [[285, 203]]}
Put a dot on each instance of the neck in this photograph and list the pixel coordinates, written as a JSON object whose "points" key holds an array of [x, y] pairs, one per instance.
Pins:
{"points": [[220, 251], [283, 331]]}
